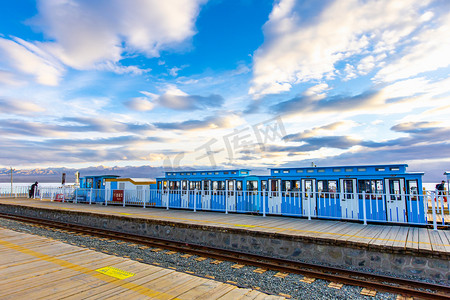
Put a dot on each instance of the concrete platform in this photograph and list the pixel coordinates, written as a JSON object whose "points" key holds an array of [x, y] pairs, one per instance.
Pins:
{"points": [[398, 250], [33, 267]]}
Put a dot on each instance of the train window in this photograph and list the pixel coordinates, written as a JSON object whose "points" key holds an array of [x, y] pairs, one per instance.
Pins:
{"points": [[370, 187], [285, 171], [336, 170], [221, 185], [348, 188], [380, 169], [209, 173], [234, 172], [216, 173], [188, 173], [226, 173], [215, 185], [184, 185], [349, 170], [321, 170], [168, 174], [322, 187], [89, 182], [194, 173], [231, 185], [203, 173], [395, 169], [413, 189], [264, 185], [299, 171], [244, 172], [362, 169], [332, 186], [310, 171], [276, 172], [286, 185], [239, 185], [252, 185]]}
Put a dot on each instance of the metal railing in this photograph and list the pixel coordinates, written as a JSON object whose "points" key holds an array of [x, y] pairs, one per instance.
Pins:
{"points": [[431, 207]]}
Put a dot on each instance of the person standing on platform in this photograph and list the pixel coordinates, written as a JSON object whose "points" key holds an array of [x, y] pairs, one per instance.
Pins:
{"points": [[440, 187], [33, 189]]}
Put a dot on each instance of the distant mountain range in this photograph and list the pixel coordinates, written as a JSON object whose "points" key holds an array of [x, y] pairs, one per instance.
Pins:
{"points": [[55, 174]]}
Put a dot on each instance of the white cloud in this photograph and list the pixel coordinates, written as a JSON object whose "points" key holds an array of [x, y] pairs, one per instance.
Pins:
{"points": [[303, 48], [23, 58], [430, 52], [87, 33], [140, 104]]}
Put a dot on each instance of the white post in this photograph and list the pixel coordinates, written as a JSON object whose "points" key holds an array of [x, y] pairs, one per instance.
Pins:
{"points": [[264, 202], [309, 204], [168, 197], [226, 196], [433, 205], [364, 207], [442, 207], [145, 197], [41, 195], [64, 194], [195, 200], [76, 195], [90, 197], [123, 198]]}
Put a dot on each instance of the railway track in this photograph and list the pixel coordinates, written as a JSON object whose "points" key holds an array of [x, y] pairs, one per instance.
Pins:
{"points": [[409, 288]]}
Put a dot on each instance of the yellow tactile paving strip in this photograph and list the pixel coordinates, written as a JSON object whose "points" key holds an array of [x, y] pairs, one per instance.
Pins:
{"points": [[437, 241], [30, 271]]}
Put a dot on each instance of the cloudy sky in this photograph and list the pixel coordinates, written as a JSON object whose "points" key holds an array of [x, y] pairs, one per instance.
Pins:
{"points": [[221, 83]]}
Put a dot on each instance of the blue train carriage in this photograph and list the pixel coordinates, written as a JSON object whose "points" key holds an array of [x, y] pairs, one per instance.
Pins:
{"points": [[93, 188], [391, 194], [216, 190]]}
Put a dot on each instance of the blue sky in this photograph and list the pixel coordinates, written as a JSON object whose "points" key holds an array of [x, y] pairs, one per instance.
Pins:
{"points": [[221, 83]]}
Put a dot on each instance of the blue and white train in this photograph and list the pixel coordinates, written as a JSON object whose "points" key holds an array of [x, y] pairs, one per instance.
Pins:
{"points": [[376, 193]]}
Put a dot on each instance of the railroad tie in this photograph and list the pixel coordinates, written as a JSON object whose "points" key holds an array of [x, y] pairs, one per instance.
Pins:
{"points": [[368, 292], [216, 262], [281, 275], [260, 270], [237, 266], [170, 252], [308, 280], [186, 255], [201, 258], [335, 285]]}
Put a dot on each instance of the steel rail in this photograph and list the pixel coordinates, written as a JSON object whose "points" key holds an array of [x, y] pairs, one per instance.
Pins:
{"points": [[411, 288]]}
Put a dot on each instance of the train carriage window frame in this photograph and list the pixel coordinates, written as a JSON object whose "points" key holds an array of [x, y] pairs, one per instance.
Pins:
{"points": [[413, 192], [89, 183]]}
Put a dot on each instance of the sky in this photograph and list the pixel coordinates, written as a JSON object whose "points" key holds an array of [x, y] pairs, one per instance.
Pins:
{"points": [[225, 84]]}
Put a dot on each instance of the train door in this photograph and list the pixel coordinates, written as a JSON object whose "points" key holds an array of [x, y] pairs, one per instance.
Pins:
{"points": [[206, 194], [349, 199], [164, 188], [231, 194], [309, 197], [274, 201], [395, 200], [184, 193]]}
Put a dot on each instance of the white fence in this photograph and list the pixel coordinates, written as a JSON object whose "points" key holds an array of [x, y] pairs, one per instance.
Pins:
{"points": [[416, 209]]}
